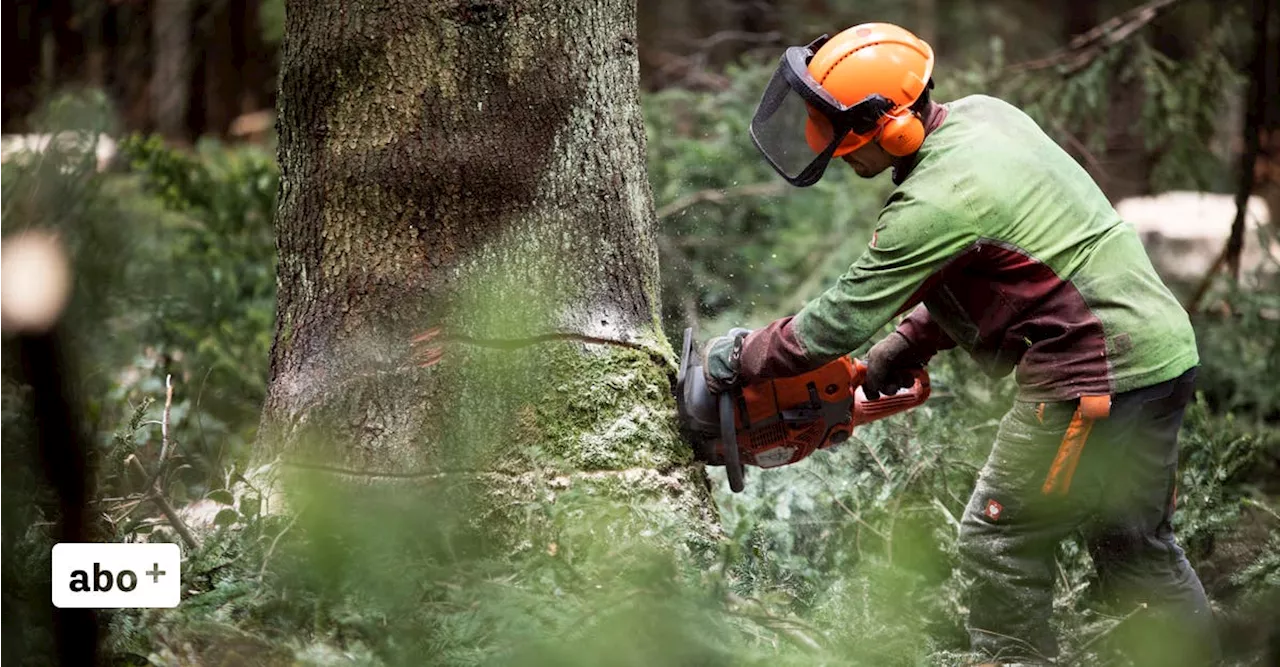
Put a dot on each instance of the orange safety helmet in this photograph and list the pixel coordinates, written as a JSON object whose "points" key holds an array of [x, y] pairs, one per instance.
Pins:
{"points": [[873, 59]]}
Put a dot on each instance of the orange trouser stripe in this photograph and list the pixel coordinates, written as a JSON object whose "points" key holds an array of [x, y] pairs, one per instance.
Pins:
{"points": [[1064, 464]]}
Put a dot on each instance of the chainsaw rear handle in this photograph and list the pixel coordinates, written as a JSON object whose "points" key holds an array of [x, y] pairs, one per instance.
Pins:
{"points": [[866, 411]]}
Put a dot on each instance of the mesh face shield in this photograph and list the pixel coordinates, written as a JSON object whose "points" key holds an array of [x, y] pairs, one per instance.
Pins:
{"points": [[798, 125]]}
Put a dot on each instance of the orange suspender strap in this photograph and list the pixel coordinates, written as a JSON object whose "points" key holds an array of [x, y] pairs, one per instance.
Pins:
{"points": [[1091, 408]]}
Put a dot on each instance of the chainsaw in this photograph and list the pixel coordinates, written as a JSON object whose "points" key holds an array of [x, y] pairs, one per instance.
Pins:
{"points": [[779, 422]]}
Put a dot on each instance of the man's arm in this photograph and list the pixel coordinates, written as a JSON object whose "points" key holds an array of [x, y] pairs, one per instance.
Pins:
{"points": [[913, 240], [924, 335]]}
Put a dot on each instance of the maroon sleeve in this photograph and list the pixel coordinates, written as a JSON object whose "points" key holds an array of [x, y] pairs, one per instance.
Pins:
{"points": [[924, 335], [775, 351]]}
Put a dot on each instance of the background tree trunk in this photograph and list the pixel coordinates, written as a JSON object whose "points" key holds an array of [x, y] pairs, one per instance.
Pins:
{"points": [[216, 83], [476, 167], [171, 76], [69, 43], [927, 20], [22, 38]]}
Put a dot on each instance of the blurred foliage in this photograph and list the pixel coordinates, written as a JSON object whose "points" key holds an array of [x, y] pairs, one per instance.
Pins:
{"points": [[271, 20], [174, 256], [1239, 348], [213, 327]]}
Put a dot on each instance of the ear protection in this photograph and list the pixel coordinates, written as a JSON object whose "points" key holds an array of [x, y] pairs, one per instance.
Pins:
{"points": [[901, 133]]}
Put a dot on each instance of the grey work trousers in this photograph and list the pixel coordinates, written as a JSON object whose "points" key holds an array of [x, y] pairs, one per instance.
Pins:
{"points": [[1041, 483]]}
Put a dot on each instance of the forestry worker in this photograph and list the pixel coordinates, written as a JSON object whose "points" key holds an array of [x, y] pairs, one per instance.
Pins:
{"points": [[997, 242]]}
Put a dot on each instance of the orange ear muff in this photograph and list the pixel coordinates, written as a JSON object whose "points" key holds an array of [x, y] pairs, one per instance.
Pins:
{"points": [[902, 134]]}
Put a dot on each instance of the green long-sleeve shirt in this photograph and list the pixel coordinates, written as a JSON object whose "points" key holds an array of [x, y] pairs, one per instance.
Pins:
{"points": [[1014, 255]]}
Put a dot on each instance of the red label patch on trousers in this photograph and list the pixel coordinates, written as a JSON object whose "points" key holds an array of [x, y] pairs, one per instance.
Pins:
{"points": [[993, 510]]}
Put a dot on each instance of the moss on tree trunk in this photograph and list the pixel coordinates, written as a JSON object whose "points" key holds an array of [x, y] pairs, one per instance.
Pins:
{"points": [[476, 167]]}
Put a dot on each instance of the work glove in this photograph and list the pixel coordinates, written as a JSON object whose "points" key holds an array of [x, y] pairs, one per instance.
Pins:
{"points": [[889, 366], [722, 360]]}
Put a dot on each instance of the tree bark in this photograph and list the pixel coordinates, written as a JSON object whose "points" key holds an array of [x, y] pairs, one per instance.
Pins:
{"points": [[68, 39], [217, 82], [171, 76], [927, 20], [253, 59], [96, 50], [129, 32], [475, 168], [23, 36]]}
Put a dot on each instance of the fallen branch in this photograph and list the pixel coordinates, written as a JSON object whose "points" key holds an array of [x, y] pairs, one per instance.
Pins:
{"points": [[164, 434], [156, 496]]}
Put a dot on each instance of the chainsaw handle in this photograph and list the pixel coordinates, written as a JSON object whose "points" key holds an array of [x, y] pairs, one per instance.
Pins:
{"points": [[866, 411]]}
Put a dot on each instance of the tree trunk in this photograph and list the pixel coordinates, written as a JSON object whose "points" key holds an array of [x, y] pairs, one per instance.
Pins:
{"points": [[927, 20], [666, 30], [171, 76], [476, 168], [1267, 168], [1254, 121], [96, 58], [68, 39], [23, 30], [130, 31], [252, 58], [215, 80]]}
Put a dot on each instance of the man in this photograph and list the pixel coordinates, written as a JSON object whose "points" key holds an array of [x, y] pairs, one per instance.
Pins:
{"points": [[997, 242]]}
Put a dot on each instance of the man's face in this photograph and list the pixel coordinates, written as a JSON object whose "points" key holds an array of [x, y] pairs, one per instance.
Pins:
{"points": [[870, 160]]}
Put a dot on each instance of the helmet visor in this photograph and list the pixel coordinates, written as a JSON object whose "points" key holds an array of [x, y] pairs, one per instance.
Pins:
{"points": [[798, 125]]}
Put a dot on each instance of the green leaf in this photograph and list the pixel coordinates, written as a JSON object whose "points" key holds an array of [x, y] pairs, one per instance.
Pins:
{"points": [[226, 517]]}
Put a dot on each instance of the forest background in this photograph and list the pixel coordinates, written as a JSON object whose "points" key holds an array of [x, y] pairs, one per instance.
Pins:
{"points": [[846, 558]]}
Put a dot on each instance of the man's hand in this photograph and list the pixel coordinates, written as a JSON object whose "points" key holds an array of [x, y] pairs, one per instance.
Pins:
{"points": [[889, 366], [722, 360]]}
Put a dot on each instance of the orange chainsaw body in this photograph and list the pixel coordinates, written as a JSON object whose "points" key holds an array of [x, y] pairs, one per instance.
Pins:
{"points": [[781, 421]]}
